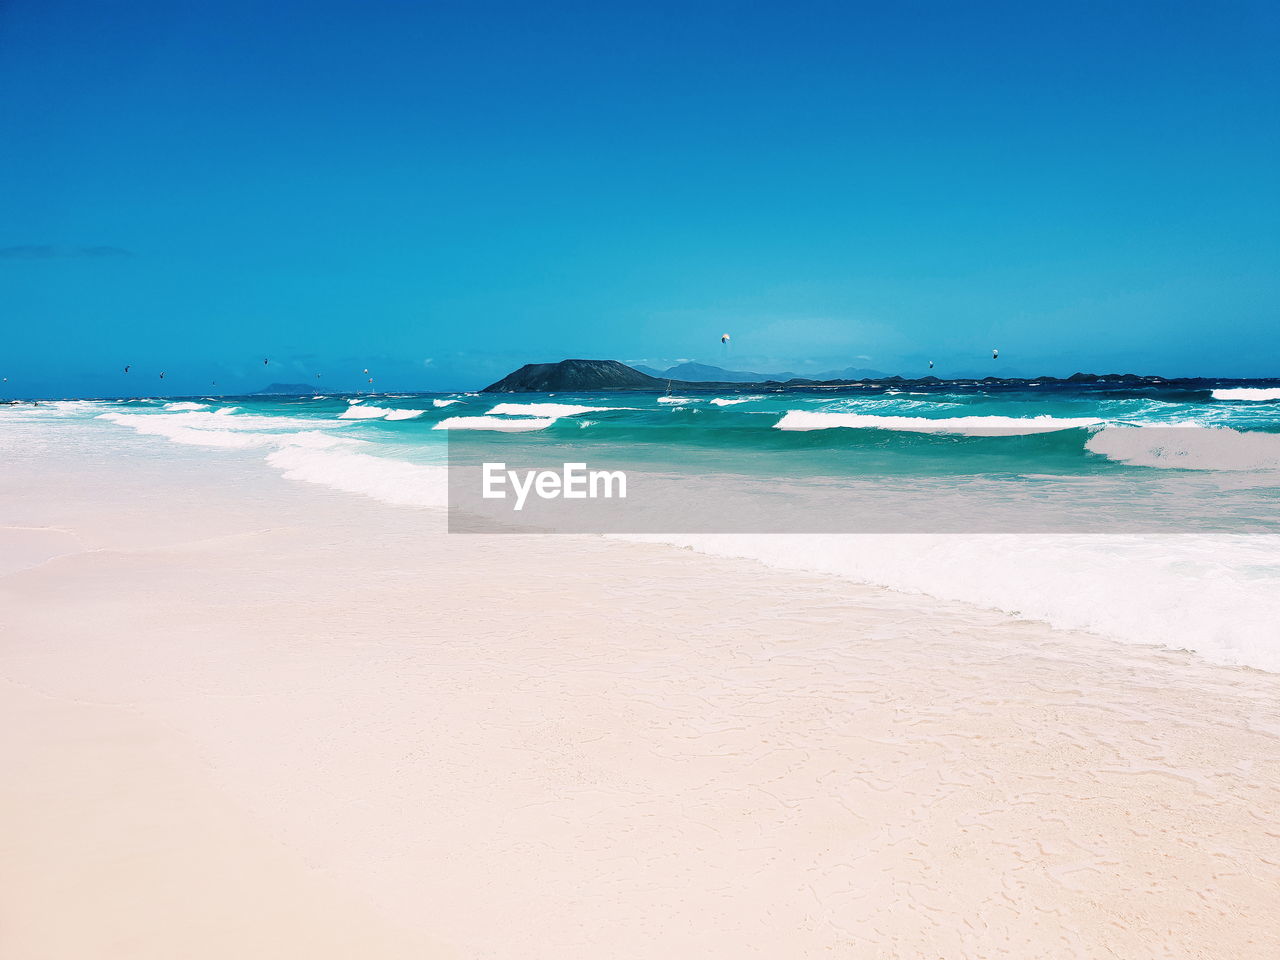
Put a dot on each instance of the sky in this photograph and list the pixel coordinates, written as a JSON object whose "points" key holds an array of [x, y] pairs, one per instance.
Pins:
{"points": [[440, 192]]}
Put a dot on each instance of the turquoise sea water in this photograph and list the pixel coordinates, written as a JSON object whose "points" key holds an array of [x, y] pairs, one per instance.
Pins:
{"points": [[1125, 562], [944, 431]]}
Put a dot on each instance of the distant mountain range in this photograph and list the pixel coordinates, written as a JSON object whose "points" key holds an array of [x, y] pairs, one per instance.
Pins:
{"points": [[705, 373], [585, 376]]}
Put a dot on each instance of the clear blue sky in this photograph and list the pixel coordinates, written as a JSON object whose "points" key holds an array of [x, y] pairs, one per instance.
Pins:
{"points": [[443, 191]]}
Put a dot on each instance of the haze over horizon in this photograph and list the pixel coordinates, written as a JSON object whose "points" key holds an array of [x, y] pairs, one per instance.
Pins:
{"points": [[442, 193]]}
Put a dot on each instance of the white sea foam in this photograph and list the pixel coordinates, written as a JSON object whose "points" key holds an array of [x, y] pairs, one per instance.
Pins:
{"points": [[731, 401], [508, 424], [444, 403], [222, 439], [315, 440], [675, 400], [391, 481], [1188, 448], [967, 426], [224, 431], [225, 419], [62, 406], [544, 409], [186, 406], [173, 428], [1216, 595], [1246, 393], [368, 411], [302, 454]]}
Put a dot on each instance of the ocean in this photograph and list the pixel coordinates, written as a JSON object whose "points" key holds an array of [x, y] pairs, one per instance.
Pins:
{"points": [[1171, 535]]}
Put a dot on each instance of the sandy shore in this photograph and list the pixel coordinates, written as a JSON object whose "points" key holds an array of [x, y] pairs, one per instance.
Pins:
{"points": [[242, 716]]}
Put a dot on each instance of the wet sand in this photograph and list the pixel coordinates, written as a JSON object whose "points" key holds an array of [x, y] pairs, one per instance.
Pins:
{"points": [[253, 717]]}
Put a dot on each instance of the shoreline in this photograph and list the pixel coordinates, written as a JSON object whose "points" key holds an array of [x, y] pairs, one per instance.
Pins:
{"points": [[528, 747]]}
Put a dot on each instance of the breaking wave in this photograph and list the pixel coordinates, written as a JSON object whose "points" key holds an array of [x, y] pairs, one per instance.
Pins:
{"points": [[507, 424], [966, 426], [1246, 393], [366, 411], [545, 409]]}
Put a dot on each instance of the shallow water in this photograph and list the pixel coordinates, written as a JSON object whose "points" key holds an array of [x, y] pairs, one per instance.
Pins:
{"points": [[1211, 589]]}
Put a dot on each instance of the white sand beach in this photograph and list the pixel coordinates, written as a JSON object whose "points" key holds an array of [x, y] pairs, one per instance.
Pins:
{"points": [[249, 717]]}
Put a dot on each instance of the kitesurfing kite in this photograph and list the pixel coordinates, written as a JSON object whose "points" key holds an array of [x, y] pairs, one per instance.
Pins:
{"points": [[995, 354], [930, 364], [725, 338], [127, 366]]}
